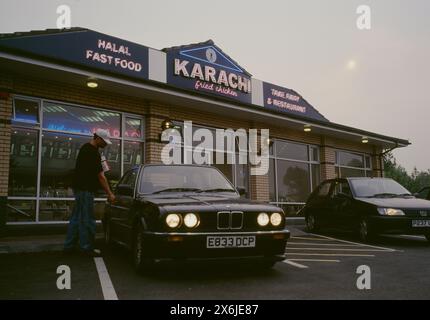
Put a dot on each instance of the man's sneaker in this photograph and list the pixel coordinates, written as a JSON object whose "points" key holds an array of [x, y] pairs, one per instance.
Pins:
{"points": [[91, 253]]}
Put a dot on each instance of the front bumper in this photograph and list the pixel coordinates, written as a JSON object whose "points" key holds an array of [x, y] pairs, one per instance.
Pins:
{"points": [[192, 246], [397, 225]]}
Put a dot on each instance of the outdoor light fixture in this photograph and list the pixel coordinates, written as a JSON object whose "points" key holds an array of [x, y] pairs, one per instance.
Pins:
{"points": [[365, 140], [269, 142], [166, 124], [92, 84], [307, 128]]}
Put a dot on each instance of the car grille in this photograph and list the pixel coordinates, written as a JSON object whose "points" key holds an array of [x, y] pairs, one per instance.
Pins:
{"points": [[421, 213], [228, 220]]}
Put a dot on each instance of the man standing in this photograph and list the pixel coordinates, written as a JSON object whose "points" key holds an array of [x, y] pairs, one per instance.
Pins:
{"points": [[88, 177]]}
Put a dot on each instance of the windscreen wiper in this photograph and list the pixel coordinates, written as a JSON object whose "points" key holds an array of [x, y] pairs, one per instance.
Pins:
{"points": [[218, 190], [385, 194], [176, 190], [404, 195]]}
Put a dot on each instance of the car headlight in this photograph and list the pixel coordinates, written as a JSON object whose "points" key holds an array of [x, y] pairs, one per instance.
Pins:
{"points": [[263, 219], [390, 212], [191, 220], [275, 219], [173, 220]]}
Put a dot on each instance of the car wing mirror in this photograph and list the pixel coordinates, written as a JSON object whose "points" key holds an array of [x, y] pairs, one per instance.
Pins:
{"points": [[241, 191]]}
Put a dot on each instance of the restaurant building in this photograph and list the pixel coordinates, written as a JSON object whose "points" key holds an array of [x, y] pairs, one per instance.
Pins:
{"points": [[58, 86]]}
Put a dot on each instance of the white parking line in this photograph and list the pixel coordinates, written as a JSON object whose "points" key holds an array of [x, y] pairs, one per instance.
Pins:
{"points": [[107, 286], [412, 236], [356, 243], [336, 249], [294, 264], [308, 238], [322, 244], [315, 260], [331, 254]]}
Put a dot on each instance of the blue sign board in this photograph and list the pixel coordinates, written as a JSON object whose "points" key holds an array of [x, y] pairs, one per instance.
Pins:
{"points": [[204, 68], [288, 101], [85, 48]]}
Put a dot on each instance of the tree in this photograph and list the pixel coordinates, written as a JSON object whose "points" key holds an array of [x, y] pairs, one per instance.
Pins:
{"points": [[413, 182]]}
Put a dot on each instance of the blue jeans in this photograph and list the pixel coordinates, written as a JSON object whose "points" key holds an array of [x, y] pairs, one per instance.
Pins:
{"points": [[82, 224]]}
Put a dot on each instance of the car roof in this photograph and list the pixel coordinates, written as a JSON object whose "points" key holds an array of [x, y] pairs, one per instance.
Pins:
{"points": [[176, 165], [355, 178]]}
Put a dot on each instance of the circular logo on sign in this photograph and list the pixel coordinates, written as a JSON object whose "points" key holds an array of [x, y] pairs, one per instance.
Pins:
{"points": [[211, 55]]}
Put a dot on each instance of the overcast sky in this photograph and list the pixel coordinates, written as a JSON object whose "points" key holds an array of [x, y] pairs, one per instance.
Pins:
{"points": [[377, 79]]}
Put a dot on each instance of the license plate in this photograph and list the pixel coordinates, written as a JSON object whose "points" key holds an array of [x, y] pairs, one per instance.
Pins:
{"points": [[230, 242], [420, 223]]}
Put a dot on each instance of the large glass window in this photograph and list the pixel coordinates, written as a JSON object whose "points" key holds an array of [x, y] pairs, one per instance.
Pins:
{"points": [[64, 129], [133, 154], [61, 117], [59, 154], [293, 173], [293, 181], [237, 173], [23, 162], [350, 164]]}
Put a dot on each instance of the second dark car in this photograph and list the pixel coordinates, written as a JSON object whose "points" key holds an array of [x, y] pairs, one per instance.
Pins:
{"points": [[186, 212], [369, 206]]}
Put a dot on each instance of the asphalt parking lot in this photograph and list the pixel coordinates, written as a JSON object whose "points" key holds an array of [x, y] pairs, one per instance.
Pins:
{"points": [[322, 266]]}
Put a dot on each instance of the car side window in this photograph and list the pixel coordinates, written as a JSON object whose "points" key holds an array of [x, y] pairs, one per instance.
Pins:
{"points": [[342, 188], [124, 179], [324, 190]]}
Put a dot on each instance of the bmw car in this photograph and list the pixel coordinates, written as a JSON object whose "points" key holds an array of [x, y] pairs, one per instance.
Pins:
{"points": [[369, 206], [191, 212]]}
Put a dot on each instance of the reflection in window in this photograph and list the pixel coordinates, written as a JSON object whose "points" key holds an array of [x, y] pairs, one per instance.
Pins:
{"points": [[316, 176], [290, 150], [272, 181], [59, 154], [293, 181], [349, 159], [23, 162], [350, 164], [133, 154], [21, 211], [133, 128], [61, 117], [26, 111], [60, 210]]}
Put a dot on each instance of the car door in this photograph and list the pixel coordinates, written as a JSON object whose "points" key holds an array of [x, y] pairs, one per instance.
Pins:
{"points": [[343, 213], [116, 208], [120, 210], [320, 204]]}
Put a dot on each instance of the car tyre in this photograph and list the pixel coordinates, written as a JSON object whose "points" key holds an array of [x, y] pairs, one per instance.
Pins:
{"points": [[365, 232], [311, 223], [141, 263]]}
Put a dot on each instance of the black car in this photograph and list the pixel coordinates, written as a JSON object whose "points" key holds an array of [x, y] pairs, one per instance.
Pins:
{"points": [[186, 212], [370, 206]]}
